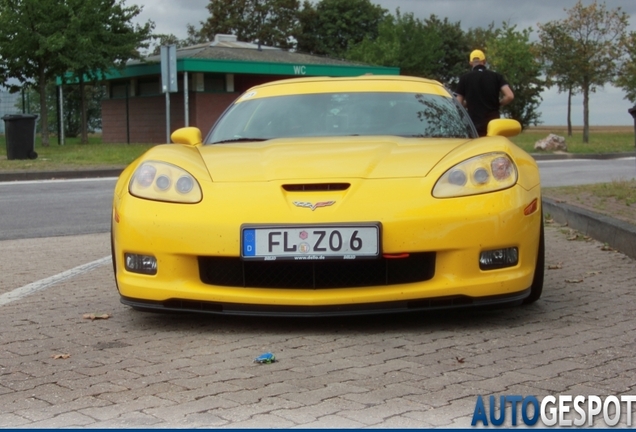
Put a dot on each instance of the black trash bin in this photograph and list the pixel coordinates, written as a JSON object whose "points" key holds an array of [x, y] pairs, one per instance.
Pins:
{"points": [[19, 131]]}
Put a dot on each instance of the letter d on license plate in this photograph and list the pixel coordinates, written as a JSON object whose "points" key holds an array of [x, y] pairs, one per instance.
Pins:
{"points": [[310, 242]]}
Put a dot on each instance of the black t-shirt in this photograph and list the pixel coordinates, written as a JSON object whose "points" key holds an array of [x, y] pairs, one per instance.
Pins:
{"points": [[480, 88]]}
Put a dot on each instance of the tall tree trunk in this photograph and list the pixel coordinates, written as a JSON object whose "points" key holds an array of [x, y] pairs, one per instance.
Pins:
{"points": [[570, 111], [586, 113], [84, 124], [44, 117]]}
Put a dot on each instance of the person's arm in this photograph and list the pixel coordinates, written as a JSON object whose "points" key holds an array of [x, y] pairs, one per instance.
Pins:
{"points": [[460, 99], [508, 95]]}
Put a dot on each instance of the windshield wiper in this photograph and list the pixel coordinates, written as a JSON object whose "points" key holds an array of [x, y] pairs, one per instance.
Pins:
{"points": [[239, 140]]}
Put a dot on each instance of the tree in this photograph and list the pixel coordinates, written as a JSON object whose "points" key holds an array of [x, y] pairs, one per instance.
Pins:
{"points": [[626, 78], [101, 36], [478, 38], [332, 26], [83, 110], [595, 35], [306, 35], [195, 36], [451, 62], [270, 22], [160, 40], [71, 107], [44, 39], [511, 53], [31, 45], [403, 41], [557, 53]]}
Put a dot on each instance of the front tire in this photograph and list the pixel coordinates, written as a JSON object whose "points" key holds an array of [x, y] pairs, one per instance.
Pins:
{"points": [[112, 253], [537, 281]]}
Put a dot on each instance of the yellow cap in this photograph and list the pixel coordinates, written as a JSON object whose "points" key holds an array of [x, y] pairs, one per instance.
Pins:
{"points": [[477, 54]]}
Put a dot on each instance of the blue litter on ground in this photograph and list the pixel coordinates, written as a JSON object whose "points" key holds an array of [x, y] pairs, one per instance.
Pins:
{"points": [[265, 358]]}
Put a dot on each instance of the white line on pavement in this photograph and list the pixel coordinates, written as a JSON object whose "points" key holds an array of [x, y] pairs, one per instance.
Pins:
{"points": [[36, 286], [550, 161], [23, 182]]}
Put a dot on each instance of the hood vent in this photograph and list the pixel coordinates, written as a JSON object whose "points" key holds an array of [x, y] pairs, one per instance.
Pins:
{"points": [[316, 187]]}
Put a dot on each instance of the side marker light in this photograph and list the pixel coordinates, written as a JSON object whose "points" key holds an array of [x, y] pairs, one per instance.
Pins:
{"points": [[531, 208]]}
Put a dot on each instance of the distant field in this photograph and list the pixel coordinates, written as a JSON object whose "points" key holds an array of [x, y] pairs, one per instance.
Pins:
{"points": [[603, 139], [593, 129]]}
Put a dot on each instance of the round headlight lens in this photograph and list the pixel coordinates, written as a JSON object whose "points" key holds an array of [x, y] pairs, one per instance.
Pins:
{"points": [[501, 168], [145, 175], [457, 177], [185, 184], [481, 176], [163, 182]]}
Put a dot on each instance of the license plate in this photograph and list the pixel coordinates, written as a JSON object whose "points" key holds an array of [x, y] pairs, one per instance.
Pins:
{"points": [[311, 242]]}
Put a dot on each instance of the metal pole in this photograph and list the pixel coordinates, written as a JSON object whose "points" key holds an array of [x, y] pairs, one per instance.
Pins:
{"points": [[186, 99], [168, 79], [62, 137], [59, 117], [632, 111], [127, 115], [167, 117]]}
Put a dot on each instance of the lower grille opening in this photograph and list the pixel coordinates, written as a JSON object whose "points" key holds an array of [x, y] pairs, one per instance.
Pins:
{"points": [[193, 305], [235, 272]]}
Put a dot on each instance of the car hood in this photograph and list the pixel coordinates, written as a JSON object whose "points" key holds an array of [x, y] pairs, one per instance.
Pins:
{"points": [[322, 158]]}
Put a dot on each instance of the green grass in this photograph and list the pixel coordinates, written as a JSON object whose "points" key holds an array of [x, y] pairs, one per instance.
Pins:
{"points": [[73, 155], [621, 191], [607, 141], [616, 199]]}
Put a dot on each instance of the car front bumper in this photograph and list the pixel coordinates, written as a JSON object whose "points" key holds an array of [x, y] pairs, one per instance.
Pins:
{"points": [[454, 231]]}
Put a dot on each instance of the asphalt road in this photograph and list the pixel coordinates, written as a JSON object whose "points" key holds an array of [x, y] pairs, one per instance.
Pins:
{"points": [[55, 208], [571, 172]]}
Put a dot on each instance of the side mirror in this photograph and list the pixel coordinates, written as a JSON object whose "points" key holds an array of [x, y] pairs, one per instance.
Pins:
{"points": [[187, 136], [503, 127]]}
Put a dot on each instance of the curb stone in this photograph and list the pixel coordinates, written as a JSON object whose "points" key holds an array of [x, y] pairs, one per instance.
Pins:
{"points": [[616, 233], [50, 175]]}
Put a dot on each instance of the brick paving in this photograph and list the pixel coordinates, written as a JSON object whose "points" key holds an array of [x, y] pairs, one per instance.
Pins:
{"points": [[396, 371]]}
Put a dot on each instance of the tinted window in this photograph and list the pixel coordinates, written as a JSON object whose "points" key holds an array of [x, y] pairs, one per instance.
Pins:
{"points": [[342, 114]]}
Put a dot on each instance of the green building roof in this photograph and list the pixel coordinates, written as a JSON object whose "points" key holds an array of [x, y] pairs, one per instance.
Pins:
{"points": [[227, 55]]}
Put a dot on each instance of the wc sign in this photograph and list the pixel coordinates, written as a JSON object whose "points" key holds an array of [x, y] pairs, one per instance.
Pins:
{"points": [[300, 70]]}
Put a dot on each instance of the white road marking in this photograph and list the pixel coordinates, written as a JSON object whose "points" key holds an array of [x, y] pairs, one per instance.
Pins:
{"points": [[23, 182], [583, 159], [20, 293]]}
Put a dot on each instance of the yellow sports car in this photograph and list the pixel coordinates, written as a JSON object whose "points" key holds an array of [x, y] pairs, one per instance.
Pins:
{"points": [[331, 196]]}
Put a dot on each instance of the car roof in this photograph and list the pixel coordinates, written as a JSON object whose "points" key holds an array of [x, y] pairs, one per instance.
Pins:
{"points": [[363, 83]]}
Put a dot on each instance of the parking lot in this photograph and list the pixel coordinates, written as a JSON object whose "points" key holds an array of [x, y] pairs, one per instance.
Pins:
{"points": [[60, 368]]}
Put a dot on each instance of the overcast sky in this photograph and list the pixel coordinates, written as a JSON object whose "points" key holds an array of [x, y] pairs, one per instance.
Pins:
{"points": [[607, 106]]}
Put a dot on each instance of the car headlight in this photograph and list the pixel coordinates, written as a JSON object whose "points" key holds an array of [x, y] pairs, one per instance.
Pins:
{"points": [[162, 181], [480, 174]]}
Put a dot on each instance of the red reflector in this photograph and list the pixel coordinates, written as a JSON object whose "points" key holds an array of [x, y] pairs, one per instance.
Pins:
{"points": [[116, 216], [395, 256], [531, 208]]}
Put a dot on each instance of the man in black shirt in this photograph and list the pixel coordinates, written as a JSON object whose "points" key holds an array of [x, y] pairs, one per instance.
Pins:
{"points": [[483, 92]]}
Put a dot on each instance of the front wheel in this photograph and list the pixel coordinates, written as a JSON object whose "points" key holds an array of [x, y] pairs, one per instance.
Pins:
{"points": [[537, 281], [112, 253]]}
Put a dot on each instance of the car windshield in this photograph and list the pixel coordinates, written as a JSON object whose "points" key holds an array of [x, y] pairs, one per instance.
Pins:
{"points": [[342, 114]]}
